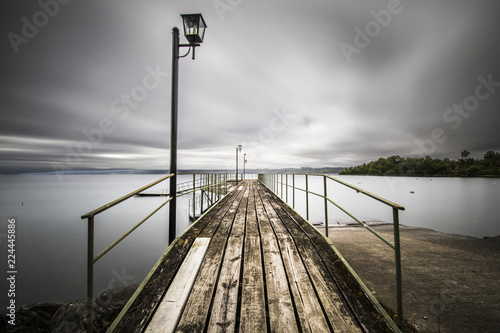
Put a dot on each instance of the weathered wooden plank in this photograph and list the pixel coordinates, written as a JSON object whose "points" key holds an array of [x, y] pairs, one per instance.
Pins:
{"points": [[307, 305], [252, 230], [253, 307], [226, 205], [168, 313], [198, 306], [142, 309], [323, 262], [225, 303], [281, 311], [340, 317]]}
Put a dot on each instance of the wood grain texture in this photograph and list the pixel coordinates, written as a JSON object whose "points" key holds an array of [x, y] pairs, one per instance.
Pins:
{"points": [[198, 306], [279, 300], [225, 302], [169, 311], [253, 307]]}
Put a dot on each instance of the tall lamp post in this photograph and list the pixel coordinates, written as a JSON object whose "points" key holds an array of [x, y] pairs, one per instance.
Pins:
{"points": [[244, 162], [238, 149], [194, 31]]}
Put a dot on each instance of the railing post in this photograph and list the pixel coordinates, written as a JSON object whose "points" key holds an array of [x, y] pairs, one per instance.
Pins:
{"points": [[293, 191], [194, 197], [212, 176], [202, 179], [281, 186], [307, 198], [219, 187], [326, 206], [397, 252], [90, 275], [286, 188]]}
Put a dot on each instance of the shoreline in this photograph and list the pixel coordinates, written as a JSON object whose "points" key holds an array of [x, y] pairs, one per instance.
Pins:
{"points": [[450, 282]]}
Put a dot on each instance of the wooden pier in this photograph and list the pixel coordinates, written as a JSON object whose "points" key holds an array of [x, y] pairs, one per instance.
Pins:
{"points": [[252, 264]]}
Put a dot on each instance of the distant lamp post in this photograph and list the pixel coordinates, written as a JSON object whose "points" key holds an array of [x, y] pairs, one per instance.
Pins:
{"points": [[244, 162], [238, 150], [194, 30]]}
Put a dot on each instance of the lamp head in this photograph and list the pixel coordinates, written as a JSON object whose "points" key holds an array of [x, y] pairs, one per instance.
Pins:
{"points": [[194, 27]]}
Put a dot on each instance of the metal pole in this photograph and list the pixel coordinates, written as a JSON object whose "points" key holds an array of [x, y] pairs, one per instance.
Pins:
{"points": [[286, 188], [236, 165], [326, 206], [173, 136], [202, 180], [194, 197], [293, 191], [244, 162], [90, 275], [281, 186], [307, 198], [397, 252]]}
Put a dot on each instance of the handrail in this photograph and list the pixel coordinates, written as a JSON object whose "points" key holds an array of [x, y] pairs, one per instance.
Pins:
{"points": [[395, 209], [208, 181], [125, 197], [374, 196], [106, 250]]}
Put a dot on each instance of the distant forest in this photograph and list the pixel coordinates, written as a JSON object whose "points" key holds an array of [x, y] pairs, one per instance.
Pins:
{"points": [[466, 166]]}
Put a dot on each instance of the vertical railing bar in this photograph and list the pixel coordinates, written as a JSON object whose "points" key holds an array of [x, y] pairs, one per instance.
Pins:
{"points": [[90, 275], [293, 192], [286, 188], [307, 198], [211, 182], [282, 186], [326, 206], [194, 197], [397, 252], [202, 182]]}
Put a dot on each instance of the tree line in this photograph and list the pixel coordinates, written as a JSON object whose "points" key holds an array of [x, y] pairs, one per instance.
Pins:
{"points": [[465, 166]]}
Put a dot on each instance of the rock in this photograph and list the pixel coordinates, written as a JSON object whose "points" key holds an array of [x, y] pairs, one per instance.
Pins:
{"points": [[49, 308], [69, 317]]}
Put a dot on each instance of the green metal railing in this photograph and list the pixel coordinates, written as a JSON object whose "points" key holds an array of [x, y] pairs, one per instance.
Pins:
{"points": [[276, 185], [215, 184]]}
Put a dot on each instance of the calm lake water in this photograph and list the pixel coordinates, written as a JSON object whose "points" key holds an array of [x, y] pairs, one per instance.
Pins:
{"points": [[51, 238]]}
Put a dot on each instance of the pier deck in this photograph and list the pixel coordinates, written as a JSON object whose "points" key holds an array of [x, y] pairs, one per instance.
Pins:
{"points": [[251, 264]]}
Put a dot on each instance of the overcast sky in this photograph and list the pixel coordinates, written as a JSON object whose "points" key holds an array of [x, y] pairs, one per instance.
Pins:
{"points": [[86, 84]]}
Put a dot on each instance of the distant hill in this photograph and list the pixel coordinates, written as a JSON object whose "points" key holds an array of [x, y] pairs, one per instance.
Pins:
{"points": [[327, 170], [489, 165]]}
